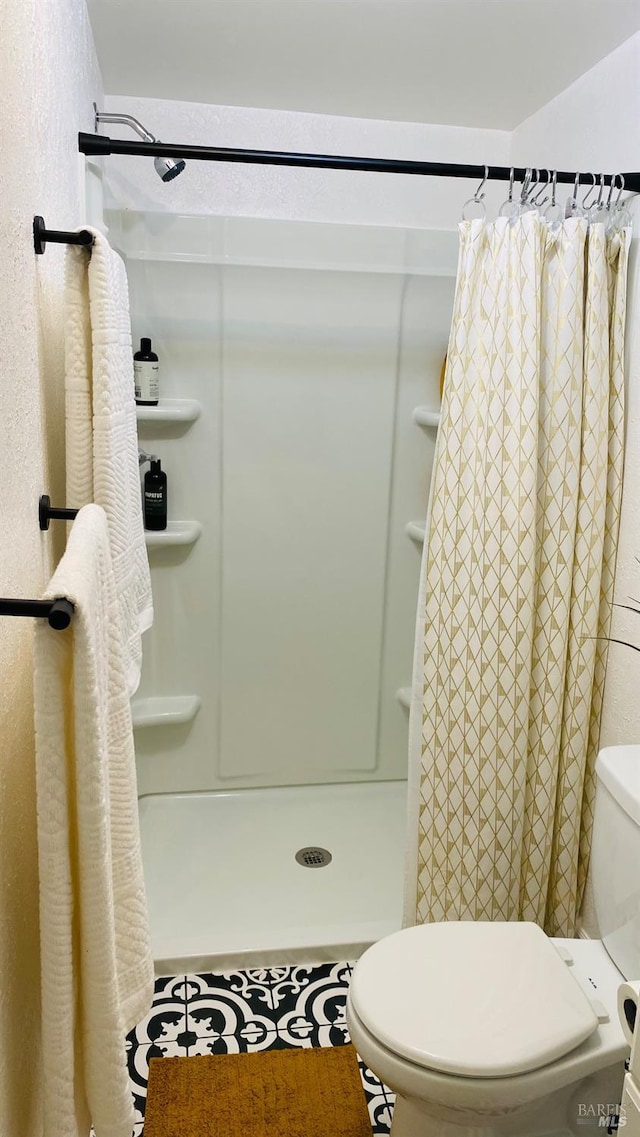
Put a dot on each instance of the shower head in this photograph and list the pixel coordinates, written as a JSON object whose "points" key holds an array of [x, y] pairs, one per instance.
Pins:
{"points": [[166, 168]]}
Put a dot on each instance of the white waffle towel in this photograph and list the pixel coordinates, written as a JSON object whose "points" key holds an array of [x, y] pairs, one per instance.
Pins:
{"points": [[97, 967], [101, 430]]}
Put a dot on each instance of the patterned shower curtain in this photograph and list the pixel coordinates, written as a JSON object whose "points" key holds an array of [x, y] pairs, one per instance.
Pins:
{"points": [[517, 575]]}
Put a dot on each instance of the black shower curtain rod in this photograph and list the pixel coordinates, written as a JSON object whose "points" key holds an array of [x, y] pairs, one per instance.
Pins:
{"points": [[99, 144]]}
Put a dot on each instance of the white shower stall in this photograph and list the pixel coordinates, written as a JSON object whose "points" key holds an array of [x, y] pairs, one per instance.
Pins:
{"points": [[299, 372]]}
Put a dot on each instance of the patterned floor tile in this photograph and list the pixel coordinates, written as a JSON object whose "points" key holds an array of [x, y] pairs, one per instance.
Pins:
{"points": [[237, 1011]]}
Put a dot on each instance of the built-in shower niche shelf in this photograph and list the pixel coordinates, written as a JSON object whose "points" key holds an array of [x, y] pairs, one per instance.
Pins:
{"points": [[416, 530], [425, 416], [164, 711], [170, 410], [176, 533]]}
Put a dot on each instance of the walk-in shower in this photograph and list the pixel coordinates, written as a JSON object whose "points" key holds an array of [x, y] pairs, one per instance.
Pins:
{"points": [[273, 710], [297, 424]]}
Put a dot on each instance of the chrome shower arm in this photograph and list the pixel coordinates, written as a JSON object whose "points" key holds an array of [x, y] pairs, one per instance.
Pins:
{"points": [[166, 168], [126, 120]]}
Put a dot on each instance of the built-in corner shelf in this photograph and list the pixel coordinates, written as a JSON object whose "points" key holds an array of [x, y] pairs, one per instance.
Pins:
{"points": [[416, 530], [170, 410], [164, 711], [176, 533], [424, 416], [403, 695]]}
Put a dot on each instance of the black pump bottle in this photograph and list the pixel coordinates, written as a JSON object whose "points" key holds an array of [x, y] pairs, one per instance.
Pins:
{"points": [[155, 497], [145, 373]]}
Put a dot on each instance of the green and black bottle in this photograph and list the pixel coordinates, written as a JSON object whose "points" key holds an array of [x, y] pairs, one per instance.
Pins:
{"points": [[155, 497]]}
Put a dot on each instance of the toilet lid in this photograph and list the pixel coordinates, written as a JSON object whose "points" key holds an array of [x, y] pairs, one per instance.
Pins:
{"points": [[483, 1000]]}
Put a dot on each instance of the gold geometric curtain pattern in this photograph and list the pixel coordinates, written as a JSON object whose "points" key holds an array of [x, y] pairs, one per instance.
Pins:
{"points": [[519, 566]]}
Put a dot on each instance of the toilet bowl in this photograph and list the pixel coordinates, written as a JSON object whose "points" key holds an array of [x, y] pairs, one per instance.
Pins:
{"points": [[497, 1030], [488, 1068]]}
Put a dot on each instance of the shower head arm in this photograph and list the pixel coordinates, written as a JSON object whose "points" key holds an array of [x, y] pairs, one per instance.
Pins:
{"points": [[126, 120], [166, 167]]}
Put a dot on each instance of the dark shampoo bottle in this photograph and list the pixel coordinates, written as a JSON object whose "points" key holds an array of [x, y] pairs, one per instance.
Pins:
{"points": [[155, 497], [145, 375]]}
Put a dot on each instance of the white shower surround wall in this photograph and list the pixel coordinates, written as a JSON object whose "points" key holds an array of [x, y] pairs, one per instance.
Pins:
{"points": [[377, 338], [307, 348]]}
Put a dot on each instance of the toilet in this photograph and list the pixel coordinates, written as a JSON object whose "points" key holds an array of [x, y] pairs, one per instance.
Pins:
{"points": [[497, 1030]]}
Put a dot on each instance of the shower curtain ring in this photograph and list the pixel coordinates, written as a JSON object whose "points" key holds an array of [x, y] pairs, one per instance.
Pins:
{"points": [[536, 199], [621, 190], [526, 185], [478, 195], [509, 208], [554, 212], [589, 191], [477, 199], [572, 204]]}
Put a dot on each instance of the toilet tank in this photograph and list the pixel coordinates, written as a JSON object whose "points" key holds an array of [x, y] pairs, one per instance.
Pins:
{"points": [[615, 855]]}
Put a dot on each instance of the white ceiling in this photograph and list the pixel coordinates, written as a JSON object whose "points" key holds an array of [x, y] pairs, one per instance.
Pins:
{"points": [[466, 62]]}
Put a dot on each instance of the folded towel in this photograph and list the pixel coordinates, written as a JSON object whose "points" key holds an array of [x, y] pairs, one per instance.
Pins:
{"points": [[101, 431], [97, 967]]}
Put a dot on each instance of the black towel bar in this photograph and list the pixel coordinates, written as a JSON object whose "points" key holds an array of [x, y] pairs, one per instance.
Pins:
{"points": [[41, 235], [47, 512], [57, 612]]}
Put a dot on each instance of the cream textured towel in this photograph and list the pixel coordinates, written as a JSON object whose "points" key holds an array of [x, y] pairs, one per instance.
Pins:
{"points": [[101, 432], [97, 967]]}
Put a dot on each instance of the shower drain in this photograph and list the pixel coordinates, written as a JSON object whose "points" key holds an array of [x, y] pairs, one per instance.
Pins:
{"points": [[313, 857]]}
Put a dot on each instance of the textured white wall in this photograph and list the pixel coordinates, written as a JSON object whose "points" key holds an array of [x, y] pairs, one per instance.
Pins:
{"points": [[594, 125], [299, 194], [48, 79]]}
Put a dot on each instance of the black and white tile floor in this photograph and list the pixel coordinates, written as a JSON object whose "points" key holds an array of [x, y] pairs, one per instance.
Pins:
{"points": [[262, 1009]]}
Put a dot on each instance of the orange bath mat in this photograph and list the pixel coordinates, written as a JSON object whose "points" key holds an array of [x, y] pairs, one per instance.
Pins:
{"points": [[272, 1093]]}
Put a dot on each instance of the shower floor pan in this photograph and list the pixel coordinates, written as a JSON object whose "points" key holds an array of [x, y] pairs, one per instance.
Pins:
{"points": [[225, 890]]}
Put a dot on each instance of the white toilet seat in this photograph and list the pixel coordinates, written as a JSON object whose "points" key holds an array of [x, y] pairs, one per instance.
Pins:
{"points": [[478, 1000], [603, 1051]]}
